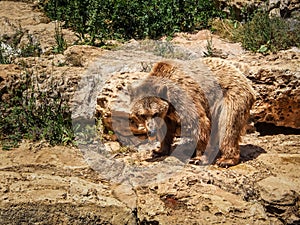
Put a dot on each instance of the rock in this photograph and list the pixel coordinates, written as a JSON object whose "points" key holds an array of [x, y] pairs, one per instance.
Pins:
{"points": [[113, 146], [114, 112], [198, 44], [279, 191], [279, 97], [280, 196], [126, 194], [283, 8], [82, 55], [275, 12], [55, 186], [276, 83], [238, 7], [23, 18]]}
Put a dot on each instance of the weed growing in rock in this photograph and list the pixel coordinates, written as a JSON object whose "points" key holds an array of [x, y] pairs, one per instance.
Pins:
{"points": [[32, 48], [209, 48], [61, 43], [4, 58], [28, 111], [20, 44]]}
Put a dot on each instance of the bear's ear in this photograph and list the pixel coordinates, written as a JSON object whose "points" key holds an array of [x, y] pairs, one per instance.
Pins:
{"points": [[163, 92], [161, 69], [130, 92]]}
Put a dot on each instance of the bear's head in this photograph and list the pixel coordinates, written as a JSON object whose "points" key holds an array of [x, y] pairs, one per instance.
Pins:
{"points": [[147, 117]]}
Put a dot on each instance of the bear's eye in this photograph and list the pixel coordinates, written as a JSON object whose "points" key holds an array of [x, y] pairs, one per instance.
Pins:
{"points": [[131, 121], [143, 116]]}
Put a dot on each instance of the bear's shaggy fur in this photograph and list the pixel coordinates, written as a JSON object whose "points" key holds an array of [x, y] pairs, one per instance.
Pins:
{"points": [[210, 110]]}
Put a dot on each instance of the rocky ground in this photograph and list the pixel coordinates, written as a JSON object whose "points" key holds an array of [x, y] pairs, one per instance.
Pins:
{"points": [[40, 184]]}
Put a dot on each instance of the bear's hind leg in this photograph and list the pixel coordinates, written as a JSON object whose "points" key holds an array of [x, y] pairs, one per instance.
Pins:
{"points": [[234, 116]]}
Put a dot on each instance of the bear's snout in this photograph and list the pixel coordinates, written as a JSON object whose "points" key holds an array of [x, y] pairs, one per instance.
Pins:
{"points": [[152, 134]]}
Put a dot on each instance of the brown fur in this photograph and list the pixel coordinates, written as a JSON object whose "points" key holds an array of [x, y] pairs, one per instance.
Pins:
{"points": [[170, 98]]}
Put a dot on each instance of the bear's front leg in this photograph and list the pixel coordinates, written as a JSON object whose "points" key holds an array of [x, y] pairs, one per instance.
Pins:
{"points": [[203, 152], [202, 157], [165, 140]]}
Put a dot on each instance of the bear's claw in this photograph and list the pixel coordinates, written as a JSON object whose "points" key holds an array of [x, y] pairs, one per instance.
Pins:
{"points": [[226, 162], [200, 161]]}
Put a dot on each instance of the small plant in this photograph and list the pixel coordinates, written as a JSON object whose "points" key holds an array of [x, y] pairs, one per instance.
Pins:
{"points": [[4, 58], [32, 48], [29, 112], [88, 132], [19, 44], [209, 48], [61, 43], [226, 28], [164, 49], [85, 133]]}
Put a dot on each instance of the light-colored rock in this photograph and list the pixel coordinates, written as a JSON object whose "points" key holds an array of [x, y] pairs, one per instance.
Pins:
{"points": [[54, 186], [285, 8], [275, 12], [281, 197], [279, 190], [31, 21]]}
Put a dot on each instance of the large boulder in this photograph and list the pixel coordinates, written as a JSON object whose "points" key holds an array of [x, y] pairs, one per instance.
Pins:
{"points": [[275, 79], [279, 97]]}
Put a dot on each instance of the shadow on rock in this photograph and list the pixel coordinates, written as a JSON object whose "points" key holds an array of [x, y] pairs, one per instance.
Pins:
{"points": [[265, 129], [250, 152]]}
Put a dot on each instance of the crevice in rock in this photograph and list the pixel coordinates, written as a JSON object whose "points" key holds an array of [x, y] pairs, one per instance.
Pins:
{"points": [[145, 222], [274, 210], [135, 214], [270, 129]]}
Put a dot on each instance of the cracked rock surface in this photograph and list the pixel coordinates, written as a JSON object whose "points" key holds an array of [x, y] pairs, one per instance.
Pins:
{"points": [[42, 185]]}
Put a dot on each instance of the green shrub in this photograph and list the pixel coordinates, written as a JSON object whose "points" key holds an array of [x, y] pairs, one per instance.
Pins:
{"points": [[97, 20], [27, 112], [261, 33], [268, 34]]}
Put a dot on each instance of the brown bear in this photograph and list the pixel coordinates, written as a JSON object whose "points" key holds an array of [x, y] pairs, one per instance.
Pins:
{"points": [[210, 110]]}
